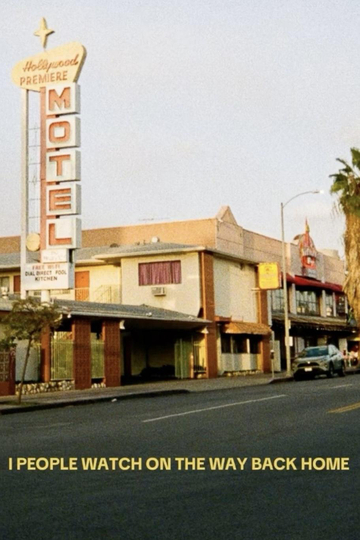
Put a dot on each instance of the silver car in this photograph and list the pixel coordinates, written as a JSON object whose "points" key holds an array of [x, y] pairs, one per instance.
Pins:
{"points": [[322, 360]]}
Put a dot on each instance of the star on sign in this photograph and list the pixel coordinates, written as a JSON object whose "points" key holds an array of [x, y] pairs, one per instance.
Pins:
{"points": [[43, 32]]}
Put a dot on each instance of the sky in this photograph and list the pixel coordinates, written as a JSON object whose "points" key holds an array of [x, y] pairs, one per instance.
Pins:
{"points": [[189, 105]]}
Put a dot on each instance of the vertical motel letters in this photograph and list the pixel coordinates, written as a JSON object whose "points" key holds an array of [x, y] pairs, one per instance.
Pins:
{"points": [[63, 193]]}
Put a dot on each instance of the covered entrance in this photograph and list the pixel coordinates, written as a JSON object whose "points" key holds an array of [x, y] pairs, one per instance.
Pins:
{"points": [[170, 348]]}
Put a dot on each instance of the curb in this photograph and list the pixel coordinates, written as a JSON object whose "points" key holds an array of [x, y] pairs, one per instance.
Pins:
{"points": [[136, 395], [91, 400], [281, 380]]}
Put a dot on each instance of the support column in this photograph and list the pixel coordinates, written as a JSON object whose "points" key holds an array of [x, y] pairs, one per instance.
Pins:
{"points": [[111, 336], [45, 357], [82, 353], [208, 304], [265, 345]]}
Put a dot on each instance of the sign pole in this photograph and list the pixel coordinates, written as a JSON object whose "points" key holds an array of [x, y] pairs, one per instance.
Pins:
{"points": [[24, 184], [45, 294]]}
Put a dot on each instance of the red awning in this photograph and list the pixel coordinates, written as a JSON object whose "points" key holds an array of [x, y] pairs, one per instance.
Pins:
{"points": [[289, 278], [301, 281]]}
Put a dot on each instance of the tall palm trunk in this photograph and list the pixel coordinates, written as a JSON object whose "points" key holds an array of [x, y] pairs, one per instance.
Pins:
{"points": [[352, 253]]}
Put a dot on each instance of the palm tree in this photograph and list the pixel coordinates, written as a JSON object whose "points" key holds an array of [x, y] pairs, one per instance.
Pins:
{"points": [[347, 186]]}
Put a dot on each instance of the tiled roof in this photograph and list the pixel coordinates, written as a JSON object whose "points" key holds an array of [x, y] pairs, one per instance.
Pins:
{"points": [[240, 327], [12, 260], [121, 311], [9, 260]]}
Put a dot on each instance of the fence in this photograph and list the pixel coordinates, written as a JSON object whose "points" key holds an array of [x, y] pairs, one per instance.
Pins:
{"points": [[62, 350]]}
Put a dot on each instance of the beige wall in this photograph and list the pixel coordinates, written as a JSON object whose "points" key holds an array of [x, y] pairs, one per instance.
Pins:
{"points": [[104, 284], [193, 232], [10, 244], [183, 297], [222, 233], [230, 238], [234, 290], [101, 279], [260, 248]]}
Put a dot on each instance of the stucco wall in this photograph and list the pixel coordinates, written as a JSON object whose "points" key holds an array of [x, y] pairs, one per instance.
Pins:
{"points": [[183, 297], [260, 248], [230, 238], [101, 279], [234, 290], [197, 231]]}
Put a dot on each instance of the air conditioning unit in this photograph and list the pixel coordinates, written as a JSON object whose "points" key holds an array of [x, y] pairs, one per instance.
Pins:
{"points": [[158, 291]]}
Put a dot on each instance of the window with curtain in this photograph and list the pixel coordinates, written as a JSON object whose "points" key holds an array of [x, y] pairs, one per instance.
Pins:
{"points": [[160, 273]]}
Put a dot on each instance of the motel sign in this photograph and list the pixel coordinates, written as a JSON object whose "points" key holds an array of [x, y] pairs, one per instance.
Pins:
{"points": [[54, 75]]}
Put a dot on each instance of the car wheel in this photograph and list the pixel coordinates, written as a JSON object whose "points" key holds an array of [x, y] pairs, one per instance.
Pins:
{"points": [[330, 373], [297, 377], [342, 372]]}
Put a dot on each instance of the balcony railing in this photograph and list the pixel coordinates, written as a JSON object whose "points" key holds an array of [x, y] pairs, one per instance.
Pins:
{"points": [[105, 294]]}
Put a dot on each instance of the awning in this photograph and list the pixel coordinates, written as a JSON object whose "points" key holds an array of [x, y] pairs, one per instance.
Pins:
{"points": [[240, 327], [289, 278], [306, 282], [334, 324]]}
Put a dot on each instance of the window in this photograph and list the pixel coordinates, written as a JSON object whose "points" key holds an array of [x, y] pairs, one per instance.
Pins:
{"points": [[340, 304], [254, 345], [225, 343], [307, 303], [239, 344], [5, 286], [160, 273], [5, 282], [277, 300], [329, 305]]}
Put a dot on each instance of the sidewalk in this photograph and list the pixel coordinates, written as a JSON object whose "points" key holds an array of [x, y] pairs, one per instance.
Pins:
{"points": [[50, 400]]}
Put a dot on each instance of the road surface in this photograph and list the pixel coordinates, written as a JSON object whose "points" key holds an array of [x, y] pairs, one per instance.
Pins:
{"points": [[287, 467]]}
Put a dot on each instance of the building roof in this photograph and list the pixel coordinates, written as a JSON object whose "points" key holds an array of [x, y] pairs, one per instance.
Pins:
{"points": [[142, 316], [9, 261], [240, 327], [144, 249], [98, 255]]}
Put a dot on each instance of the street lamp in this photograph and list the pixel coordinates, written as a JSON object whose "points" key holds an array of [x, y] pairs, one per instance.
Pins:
{"points": [[286, 304]]}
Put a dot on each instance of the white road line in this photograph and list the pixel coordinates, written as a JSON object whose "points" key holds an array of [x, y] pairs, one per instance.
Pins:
{"points": [[60, 424], [340, 386], [213, 408]]}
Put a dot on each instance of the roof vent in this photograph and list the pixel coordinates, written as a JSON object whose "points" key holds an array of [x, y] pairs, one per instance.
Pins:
{"points": [[155, 240]]}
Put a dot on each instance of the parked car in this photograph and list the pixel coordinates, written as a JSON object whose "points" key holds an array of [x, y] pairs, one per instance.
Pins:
{"points": [[322, 360]]}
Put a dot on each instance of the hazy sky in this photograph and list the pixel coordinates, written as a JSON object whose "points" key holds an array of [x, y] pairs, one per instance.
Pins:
{"points": [[188, 105]]}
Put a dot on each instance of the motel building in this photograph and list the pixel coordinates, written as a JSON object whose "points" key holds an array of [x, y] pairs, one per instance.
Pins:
{"points": [[171, 300], [179, 300]]}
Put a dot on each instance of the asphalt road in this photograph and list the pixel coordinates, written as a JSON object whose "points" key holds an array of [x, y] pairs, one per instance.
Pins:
{"points": [[258, 494]]}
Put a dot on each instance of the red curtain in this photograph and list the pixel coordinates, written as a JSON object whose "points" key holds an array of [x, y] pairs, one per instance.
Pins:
{"points": [[160, 273]]}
